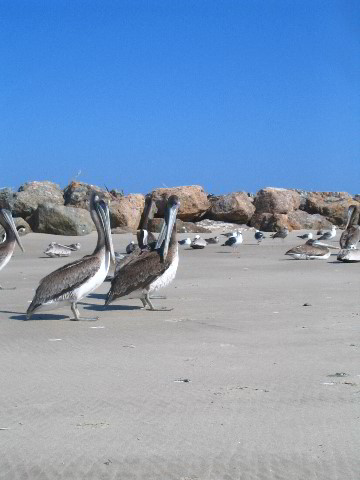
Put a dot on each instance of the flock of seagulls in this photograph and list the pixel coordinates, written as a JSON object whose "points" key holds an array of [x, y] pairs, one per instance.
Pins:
{"points": [[152, 263]]}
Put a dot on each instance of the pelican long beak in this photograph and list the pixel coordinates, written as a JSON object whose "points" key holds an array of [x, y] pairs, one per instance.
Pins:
{"points": [[104, 215], [10, 221], [166, 231]]}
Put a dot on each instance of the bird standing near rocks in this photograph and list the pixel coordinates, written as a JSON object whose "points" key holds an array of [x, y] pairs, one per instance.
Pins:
{"points": [[328, 235], [234, 241], [259, 236], [212, 240], [306, 236], [198, 243], [282, 233]]}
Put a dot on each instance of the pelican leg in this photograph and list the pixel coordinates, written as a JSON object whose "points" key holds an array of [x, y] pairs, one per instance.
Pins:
{"points": [[77, 316], [143, 301], [152, 308]]}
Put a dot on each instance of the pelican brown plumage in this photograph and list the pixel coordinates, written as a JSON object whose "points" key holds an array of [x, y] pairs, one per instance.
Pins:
{"points": [[70, 283], [351, 235], [309, 252], [151, 270], [7, 247]]}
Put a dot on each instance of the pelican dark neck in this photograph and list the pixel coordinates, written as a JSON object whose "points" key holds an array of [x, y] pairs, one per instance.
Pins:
{"points": [[10, 235], [100, 231]]}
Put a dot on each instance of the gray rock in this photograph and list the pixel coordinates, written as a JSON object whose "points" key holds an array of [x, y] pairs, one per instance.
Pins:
{"points": [[33, 194], [235, 207], [7, 198], [61, 220]]}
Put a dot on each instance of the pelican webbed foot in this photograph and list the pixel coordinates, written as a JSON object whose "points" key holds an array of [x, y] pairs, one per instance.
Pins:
{"points": [[77, 316], [152, 308]]}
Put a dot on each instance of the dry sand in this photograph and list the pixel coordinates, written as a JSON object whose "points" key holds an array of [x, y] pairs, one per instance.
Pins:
{"points": [[102, 400]]}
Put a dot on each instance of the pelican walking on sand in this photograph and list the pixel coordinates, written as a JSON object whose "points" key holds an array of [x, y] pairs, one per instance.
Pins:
{"points": [[151, 270], [72, 282], [351, 235], [7, 247]]}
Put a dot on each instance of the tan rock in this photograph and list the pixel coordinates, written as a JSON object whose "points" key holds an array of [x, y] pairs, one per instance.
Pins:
{"points": [[296, 220], [77, 194], [235, 207], [193, 201], [125, 211], [332, 205], [276, 200], [181, 227]]}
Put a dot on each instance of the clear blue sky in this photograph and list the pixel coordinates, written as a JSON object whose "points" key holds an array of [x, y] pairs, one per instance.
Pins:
{"points": [[232, 95]]}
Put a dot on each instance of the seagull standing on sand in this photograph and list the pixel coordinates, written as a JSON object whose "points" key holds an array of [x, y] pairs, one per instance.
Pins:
{"points": [[306, 236], [186, 241], [212, 240], [259, 236], [234, 241], [329, 234]]}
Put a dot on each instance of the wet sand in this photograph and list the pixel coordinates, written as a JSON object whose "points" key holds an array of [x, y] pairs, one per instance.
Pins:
{"points": [[107, 400]]}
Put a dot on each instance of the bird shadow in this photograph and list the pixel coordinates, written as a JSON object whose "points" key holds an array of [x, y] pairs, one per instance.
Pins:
{"points": [[36, 316], [104, 308]]}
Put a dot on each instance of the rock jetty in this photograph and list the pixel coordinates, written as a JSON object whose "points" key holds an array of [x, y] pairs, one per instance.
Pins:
{"points": [[42, 206]]}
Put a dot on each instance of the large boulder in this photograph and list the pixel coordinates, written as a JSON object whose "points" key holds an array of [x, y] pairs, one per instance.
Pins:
{"points": [[77, 194], [235, 207], [193, 201], [7, 198], [296, 220], [332, 205], [276, 200], [181, 227], [125, 211], [61, 220], [32, 194]]}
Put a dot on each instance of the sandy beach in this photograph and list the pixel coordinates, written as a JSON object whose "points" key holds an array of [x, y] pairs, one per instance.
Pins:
{"points": [[238, 381]]}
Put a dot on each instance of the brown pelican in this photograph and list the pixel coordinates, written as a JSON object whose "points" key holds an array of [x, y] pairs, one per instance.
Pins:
{"points": [[11, 236], [212, 240], [70, 283], [349, 255], [309, 252], [351, 235], [153, 269], [282, 233], [144, 237], [328, 235], [198, 243], [58, 250]]}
